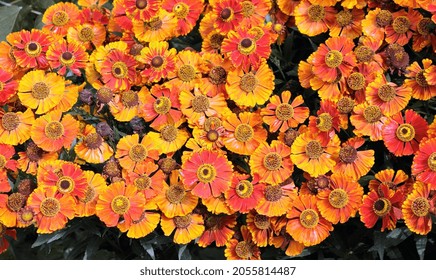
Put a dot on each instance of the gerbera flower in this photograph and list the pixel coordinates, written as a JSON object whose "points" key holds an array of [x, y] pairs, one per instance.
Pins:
{"points": [[218, 229], [140, 9], [383, 203], [375, 22], [197, 105], [260, 228], [65, 56], [93, 148], [85, 206], [341, 200], [187, 72], [334, 57], [416, 209], [244, 194], [133, 153], [88, 35], [118, 70], [250, 88], [127, 104], [52, 209], [170, 138], [160, 60], [326, 122], [160, 27], [347, 23], [8, 86], [217, 205], [389, 97], [244, 49], [245, 249], [29, 48], [59, 17], [9, 207], [281, 114], [29, 160], [402, 135], [210, 133], [313, 20], [424, 163], [173, 199], [315, 155], [10, 233], [305, 223], [53, 131], [354, 163], [403, 26], [217, 69], [15, 126], [276, 199], [41, 91], [272, 162], [186, 12], [207, 173], [368, 120], [417, 80], [120, 203], [244, 132], [186, 228], [228, 15]]}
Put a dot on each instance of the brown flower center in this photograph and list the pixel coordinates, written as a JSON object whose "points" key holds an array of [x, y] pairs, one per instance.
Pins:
{"points": [[16, 201], [33, 152], [345, 105], [226, 14], [309, 218], [405, 132], [93, 140], [356, 81], [244, 249], [348, 154], [206, 173], [212, 135], [244, 189], [316, 13], [217, 75], [372, 114], [333, 58], [143, 182], [155, 24], [420, 79], [50, 206], [162, 105], [157, 61], [141, 4], [67, 58], [130, 98], [119, 70], [284, 111], [181, 10], [383, 18], [324, 122], [420, 207], [86, 34], [386, 93], [211, 123], [175, 194], [120, 204], [65, 184], [424, 26], [60, 18], [314, 149], [33, 49], [432, 161], [364, 53], [105, 95], [138, 153], [40, 90], [10, 121], [169, 133], [248, 8], [261, 221], [200, 103], [338, 198], [344, 18], [112, 169], [382, 207], [54, 130], [272, 161], [273, 193], [248, 82], [246, 46], [401, 24], [186, 73], [244, 132], [182, 221], [216, 40]]}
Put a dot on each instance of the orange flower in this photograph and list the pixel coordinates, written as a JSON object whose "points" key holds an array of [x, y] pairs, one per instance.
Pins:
{"points": [[59, 17], [119, 202], [160, 27], [173, 199], [394, 179], [212, 38], [326, 121], [93, 148], [367, 55], [376, 22], [30, 47], [8, 86], [187, 73], [88, 35], [287, 6], [187, 13], [10, 205], [403, 26], [15, 126], [424, 163], [245, 249], [29, 159], [368, 120], [209, 133], [305, 223], [334, 57], [53, 131], [341, 200], [6, 160], [52, 209], [142, 227], [315, 155], [254, 12], [169, 138], [140, 9], [218, 229], [62, 56], [348, 23], [402, 135], [276, 199], [118, 70], [283, 240], [354, 163], [4, 242], [185, 228], [217, 69], [217, 205], [243, 194], [244, 132], [127, 104], [417, 80], [7, 59], [416, 209], [382, 203], [272, 162], [260, 228], [423, 37], [280, 114], [228, 15], [207, 173], [313, 20], [85, 206]]}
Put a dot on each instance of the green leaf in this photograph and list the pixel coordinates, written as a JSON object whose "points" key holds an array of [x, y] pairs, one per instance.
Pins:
{"points": [[8, 16], [421, 243], [379, 243], [183, 253], [48, 238], [148, 248]]}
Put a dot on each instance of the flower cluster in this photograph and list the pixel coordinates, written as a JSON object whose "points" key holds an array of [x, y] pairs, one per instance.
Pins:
{"points": [[102, 115]]}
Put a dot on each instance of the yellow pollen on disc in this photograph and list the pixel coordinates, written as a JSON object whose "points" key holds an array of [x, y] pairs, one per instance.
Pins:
{"points": [[60, 18], [272, 161], [162, 105], [143, 182], [120, 204], [333, 58], [16, 201], [67, 58], [356, 81], [138, 153], [421, 80], [284, 111], [324, 122], [431, 161], [130, 98], [309, 218], [364, 53], [2, 161], [65, 184], [119, 70], [86, 34], [206, 173], [382, 207], [90, 194], [169, 133], [93, 140], [384, 18], [154, 24], [314, 149], [182, 221], [244, 132], [40, 90], [247, 46], [345, 105], [244, 250], [401, 24], [200, 103], [54, 130], [338, 198], [344, 18], [248, 8], [261, 221], [216, 40], [316, 13], [424, 26], [181, 10], [386, 93], [50, 207], [420, 206], [10, 121], [244, 189], [348, 154], [248, 82], [217, 75], [175, 194], [273, 193], [33, 49], [186, 73], [372, 114], [405, 132]]}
